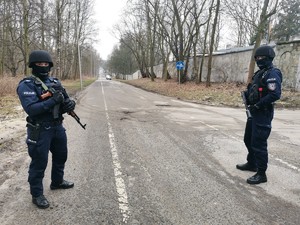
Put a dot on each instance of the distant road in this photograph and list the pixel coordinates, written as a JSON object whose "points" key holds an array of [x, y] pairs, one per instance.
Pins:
{"points": [[149, 159]]}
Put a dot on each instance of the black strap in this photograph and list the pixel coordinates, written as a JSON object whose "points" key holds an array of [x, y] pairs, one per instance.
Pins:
{"points": [[41, 82]]}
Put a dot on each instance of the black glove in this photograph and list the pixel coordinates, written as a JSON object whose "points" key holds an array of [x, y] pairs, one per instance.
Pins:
{"points": [[68, 106], [58, 97], [253, 108], [58, 87]]}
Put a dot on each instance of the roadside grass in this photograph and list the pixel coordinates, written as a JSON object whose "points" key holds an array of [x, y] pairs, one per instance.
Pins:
{"points": [[72, 86], [8, 85], [8, 106], [9, 101], [218, 94]]}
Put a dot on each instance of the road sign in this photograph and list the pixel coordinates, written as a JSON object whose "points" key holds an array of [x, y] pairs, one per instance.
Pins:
{"points": [[179, 65]]}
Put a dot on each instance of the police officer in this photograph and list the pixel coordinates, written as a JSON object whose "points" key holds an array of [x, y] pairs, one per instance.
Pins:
{"points": [[261, 94], [45, 100]]}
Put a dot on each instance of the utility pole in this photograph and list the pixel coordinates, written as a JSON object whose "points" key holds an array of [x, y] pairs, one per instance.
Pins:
{"points": [[78, 45]]}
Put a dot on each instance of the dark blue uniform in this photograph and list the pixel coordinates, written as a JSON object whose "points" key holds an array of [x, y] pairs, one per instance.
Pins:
{"points": [[44, 133], [264, 90]]}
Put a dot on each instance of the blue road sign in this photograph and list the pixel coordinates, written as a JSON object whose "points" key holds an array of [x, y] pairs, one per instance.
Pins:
{"points": [[179, 65]]}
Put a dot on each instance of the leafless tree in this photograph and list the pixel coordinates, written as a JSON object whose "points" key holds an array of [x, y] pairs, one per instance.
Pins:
{"points": [[245, 14], [46, 24], [212, 41], [199, 77], [200, 19], [132, 32], [252, 18], [151, 13], [169, 27], [260, 29]]}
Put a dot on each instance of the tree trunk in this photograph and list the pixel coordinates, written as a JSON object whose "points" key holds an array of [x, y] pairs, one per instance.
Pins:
{"points": [[199, 80], [260, 29], [43, 45], [25, 36], [58, 37], [211, 47]]}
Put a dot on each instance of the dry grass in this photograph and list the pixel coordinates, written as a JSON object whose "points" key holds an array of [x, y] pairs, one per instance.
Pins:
{"points": [[8, 97], [217, 94], [72, 86], [8, 85], [8, 106], [9, 101]]}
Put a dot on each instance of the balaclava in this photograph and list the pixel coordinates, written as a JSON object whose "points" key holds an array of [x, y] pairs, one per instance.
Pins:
{"points": [[269, 54]]}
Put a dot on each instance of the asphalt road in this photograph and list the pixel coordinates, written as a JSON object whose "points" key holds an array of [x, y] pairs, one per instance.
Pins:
{"points": [[150, 159]]}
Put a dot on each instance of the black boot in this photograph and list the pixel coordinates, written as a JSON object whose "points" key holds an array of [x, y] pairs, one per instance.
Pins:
{"points": [[259, 177], [40, 202], [246, 166], [64, 185]]}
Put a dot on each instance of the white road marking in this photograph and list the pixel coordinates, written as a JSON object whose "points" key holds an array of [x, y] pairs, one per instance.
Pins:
{"points": [[285, 163], [120, 184], [228, 135]]}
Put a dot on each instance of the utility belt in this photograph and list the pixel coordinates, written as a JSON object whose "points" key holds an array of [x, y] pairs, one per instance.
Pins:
{"points": [[35, 127], [51, 123], [267, 107], [33, 123]]}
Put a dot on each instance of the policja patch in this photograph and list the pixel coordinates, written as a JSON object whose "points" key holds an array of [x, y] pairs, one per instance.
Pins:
{"points": [[28, 93]]}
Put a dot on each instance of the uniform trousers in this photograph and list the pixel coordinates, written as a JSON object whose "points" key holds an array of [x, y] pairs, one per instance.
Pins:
{"points": [[53, 138], [257, 132]]}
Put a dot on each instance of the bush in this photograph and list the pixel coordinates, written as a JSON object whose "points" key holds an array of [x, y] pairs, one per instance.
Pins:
{"points": [[8, 85]]}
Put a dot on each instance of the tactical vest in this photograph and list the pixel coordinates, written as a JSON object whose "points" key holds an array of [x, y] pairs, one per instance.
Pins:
{"points": [[258, 88]]}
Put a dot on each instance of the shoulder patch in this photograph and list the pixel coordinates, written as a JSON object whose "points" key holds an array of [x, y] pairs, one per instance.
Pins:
{"points": [[271, 86], [29, 93]]}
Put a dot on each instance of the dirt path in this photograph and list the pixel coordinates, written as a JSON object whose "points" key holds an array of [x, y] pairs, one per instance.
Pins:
{"points": [[13, 149]]}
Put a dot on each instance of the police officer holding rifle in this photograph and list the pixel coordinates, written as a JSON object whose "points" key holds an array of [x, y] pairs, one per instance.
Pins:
{"points": [[259, 98], [45, 101]]}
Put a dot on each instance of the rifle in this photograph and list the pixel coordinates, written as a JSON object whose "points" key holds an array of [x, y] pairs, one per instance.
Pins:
{"points": [[49, 93], [248, 113], [74, 115]]}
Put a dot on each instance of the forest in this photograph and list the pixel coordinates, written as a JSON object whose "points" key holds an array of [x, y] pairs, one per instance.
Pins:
{"points": [[65, 28], [150, 32], [158, 31]]}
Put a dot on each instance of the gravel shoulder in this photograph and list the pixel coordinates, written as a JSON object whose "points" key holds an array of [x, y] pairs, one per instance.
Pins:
{"points": [[13, 149]]}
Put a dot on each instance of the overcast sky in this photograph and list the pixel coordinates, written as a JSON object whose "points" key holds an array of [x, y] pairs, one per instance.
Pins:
{"points": [[107, 13]]}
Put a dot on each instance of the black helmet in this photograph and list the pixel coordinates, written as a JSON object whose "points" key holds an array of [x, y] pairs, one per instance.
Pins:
{"points": [[40, 56], [265, 50]]}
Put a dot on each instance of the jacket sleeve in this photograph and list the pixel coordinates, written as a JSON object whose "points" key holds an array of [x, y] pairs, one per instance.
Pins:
{"points": [[30, 100], [273, 84]]}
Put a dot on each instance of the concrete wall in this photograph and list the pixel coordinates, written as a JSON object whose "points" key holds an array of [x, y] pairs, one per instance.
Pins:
{"points": [[136, 75], [231, 65], [288, 61]]}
